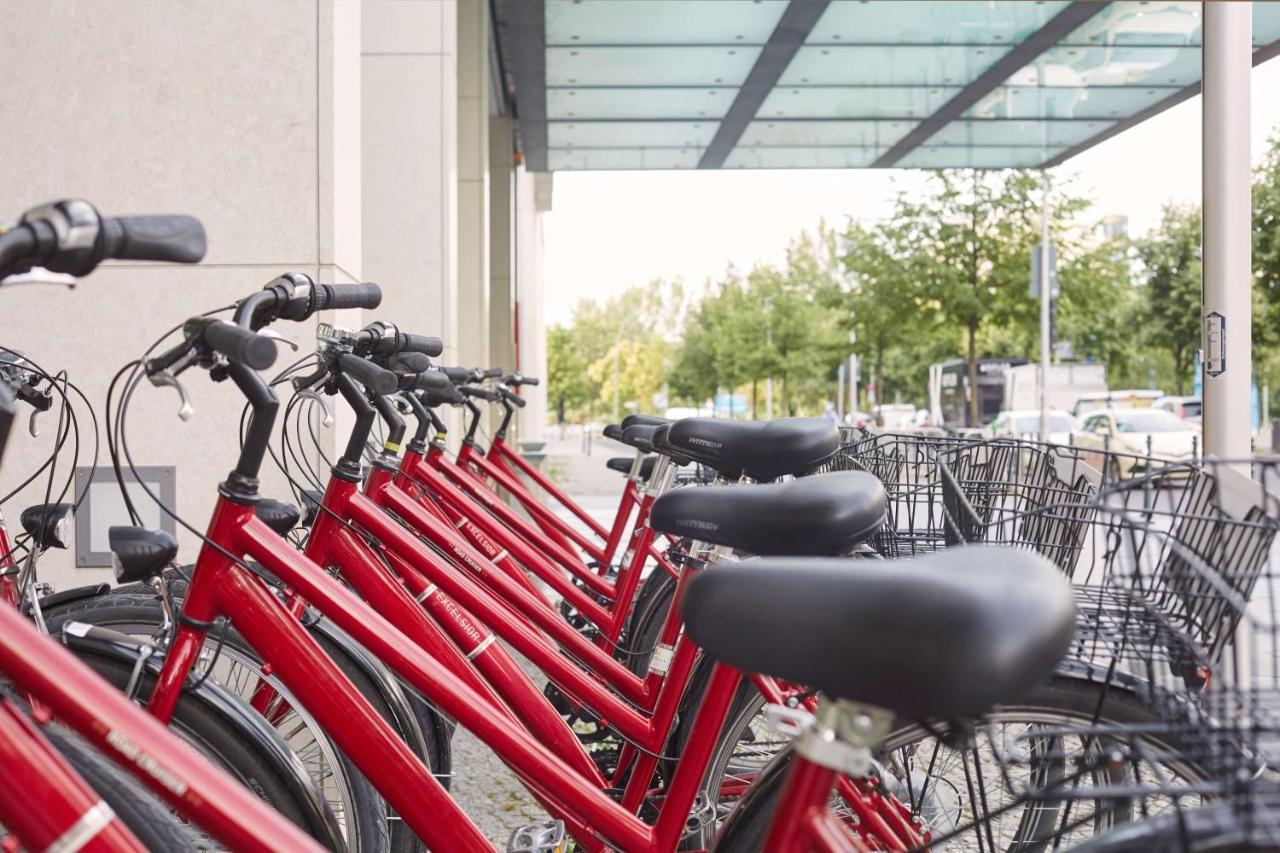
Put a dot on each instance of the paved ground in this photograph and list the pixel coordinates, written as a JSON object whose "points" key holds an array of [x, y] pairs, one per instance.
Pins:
{"points": [[483, 786]]}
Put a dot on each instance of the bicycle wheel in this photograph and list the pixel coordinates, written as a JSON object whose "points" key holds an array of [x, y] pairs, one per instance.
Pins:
{"points": [[966, 798], [147, 816], [360, 810], [1215, 829], [644, 623]]}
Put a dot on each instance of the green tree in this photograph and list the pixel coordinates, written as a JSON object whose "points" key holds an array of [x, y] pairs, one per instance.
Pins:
{"points": [[880, 304], [1266, 266], [567, 371], [1096, 305], [1169, 315], [637, 315], [630, 372]]}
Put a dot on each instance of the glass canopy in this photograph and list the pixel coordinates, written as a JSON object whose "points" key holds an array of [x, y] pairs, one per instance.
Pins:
{"points": [[683, 84]]}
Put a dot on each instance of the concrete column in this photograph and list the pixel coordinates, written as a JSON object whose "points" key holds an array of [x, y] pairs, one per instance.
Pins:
{"points": [[409, 160], [1227, 268], [473, 183], [502, 261], [533, 200]]}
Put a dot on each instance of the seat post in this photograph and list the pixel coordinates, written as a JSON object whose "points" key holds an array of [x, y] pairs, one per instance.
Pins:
{"points": [[843, 735], [634, 474], [660, 478]]}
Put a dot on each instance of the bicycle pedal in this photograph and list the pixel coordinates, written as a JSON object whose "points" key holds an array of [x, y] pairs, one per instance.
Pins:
{"points": [[545, 837]]}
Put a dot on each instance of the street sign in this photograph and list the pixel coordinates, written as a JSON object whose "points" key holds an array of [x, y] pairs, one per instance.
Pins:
{"points": [[1035, 271], [1215, 344]]}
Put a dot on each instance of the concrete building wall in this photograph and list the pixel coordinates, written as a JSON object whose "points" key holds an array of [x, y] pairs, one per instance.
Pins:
{"points": [[236, 111], [345, 140]]}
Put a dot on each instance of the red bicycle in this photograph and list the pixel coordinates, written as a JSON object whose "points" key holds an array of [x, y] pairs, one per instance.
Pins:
{"points": [[56, 809]]}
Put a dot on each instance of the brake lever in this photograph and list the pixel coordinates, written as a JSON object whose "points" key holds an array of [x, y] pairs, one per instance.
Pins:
{"points": [[310, 394], [169, 377], [32, 427], [276, 336], [40, 275]]}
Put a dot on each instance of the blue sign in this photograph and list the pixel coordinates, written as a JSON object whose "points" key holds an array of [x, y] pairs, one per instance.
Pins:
{"points": [[731, 406]]}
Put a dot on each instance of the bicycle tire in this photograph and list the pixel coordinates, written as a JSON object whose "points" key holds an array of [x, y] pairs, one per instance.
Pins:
{"points": [[148, 817], [1062, 702], [139, 607], [1215, 829], [644, 623], [136, 613]]}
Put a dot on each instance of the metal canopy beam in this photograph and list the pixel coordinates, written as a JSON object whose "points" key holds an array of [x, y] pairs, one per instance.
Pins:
{"points": [[521, 28], [1260, 56], [788, 36], [1037, 43]]}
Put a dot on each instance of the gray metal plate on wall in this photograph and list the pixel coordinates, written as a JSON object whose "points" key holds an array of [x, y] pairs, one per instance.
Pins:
{"points": [[104, 507]]}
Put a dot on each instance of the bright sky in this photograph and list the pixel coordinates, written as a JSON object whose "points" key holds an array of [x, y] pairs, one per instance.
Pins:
{"points": [[610, 230]]}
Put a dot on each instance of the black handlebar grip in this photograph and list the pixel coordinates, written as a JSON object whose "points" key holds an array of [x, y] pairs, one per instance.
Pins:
{"points": [[15, 248], [515, 399], [405, 342], [491, 373], [177, 239], [338, 296], [479, 393], [528, 380], [432, 380], [408, 362], [240, 345], [448, 395], [376, 379], [457, 375]]}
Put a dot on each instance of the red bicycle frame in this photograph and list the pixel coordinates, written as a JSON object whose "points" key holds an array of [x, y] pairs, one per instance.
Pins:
{"points": [[80, 699], [502, 458], [447, 588], [479, 512], [46, 804], [221, 586]]}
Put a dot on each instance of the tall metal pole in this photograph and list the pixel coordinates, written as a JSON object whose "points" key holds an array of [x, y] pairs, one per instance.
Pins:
{"points": [[1227, 274], [1046, 297], [840, 390]]}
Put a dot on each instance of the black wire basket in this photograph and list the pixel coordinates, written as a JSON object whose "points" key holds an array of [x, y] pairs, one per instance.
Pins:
{"points": [[1178, 605]]}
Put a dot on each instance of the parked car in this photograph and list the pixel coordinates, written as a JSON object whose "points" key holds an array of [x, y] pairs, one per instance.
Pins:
{"points": [[1187, 408], [1136, 398], [1025, 423], [858, 418], [676, 413], [1137, 435], [895, 416]]}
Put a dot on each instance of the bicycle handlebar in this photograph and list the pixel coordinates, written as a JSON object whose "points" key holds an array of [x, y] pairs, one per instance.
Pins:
{"points": [[377, 380], [512, 397], [515, 380], [446, 395], [294, 296], [408, 362], [485, 394], [384, 339], [70, 236], [176, 239], [240, 345]]}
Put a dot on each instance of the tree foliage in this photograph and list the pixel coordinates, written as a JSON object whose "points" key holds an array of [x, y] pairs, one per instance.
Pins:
{"points": [[945, 276], [1169, 316]]}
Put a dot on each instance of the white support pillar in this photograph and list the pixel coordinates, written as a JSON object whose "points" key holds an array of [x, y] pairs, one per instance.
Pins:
{"points": [[1046, 308], [1227, 270], [473, 183]]}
